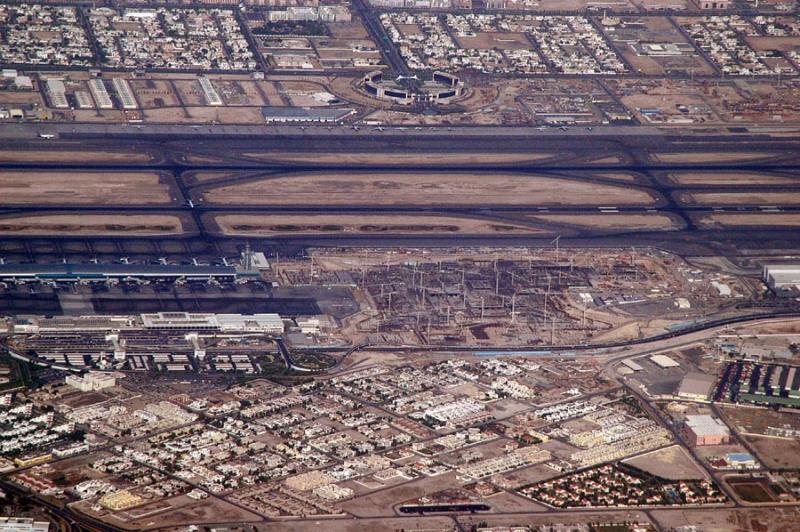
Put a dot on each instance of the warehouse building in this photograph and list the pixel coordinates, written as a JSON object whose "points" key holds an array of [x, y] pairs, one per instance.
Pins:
{"points": [[783, 279], [125, 94], [100, 94], [706, 430], [210, 93], [633, 366], [84, 100], [664, 362], [57, 93], [696, 386], [23, 83]]}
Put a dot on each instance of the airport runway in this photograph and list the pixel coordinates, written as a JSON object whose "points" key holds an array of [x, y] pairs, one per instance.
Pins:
{"points": [[575, 154]]}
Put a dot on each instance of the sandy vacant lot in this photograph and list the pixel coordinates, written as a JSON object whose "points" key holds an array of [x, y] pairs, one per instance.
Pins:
{"points": [[612, 221], [401, 158], [85, 188], [74, 156], [619, 176], [362, 525], [725, 178], [672, 463], [92, 224], [725, 520], [784, 44], [741, 198], [716, 157], [394, 188], [776, 452], [715, 220], [610, 159], [202, 176], [332, 224]]}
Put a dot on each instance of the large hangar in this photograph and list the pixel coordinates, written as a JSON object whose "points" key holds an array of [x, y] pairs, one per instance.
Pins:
{"points": [[783, 279]]}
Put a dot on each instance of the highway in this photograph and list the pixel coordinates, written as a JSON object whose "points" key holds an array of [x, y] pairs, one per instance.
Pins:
{"points": [[574, 350]]}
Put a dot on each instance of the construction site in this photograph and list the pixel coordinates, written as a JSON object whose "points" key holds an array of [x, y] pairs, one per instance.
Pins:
{"points": [[522, 296]]}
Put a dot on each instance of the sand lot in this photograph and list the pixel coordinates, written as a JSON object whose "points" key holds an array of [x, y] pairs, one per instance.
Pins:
{"points": [[400, 158], [776, 452], [725, 178], [332, 224], [704, 157], [672, 463], [718, 219], [85, 188], [67, 156], [784, 44], [93, 224], [619, 176], [725, 520], [202, 176], [741, 198], [612, 221], [154, 93], [395, 188]]}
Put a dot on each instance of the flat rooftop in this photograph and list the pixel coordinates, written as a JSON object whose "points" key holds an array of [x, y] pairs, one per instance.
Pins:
{"points": [[706, 425]]}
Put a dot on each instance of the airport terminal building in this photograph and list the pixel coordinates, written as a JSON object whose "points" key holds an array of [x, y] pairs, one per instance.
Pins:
{"points": [[120, 272]]}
